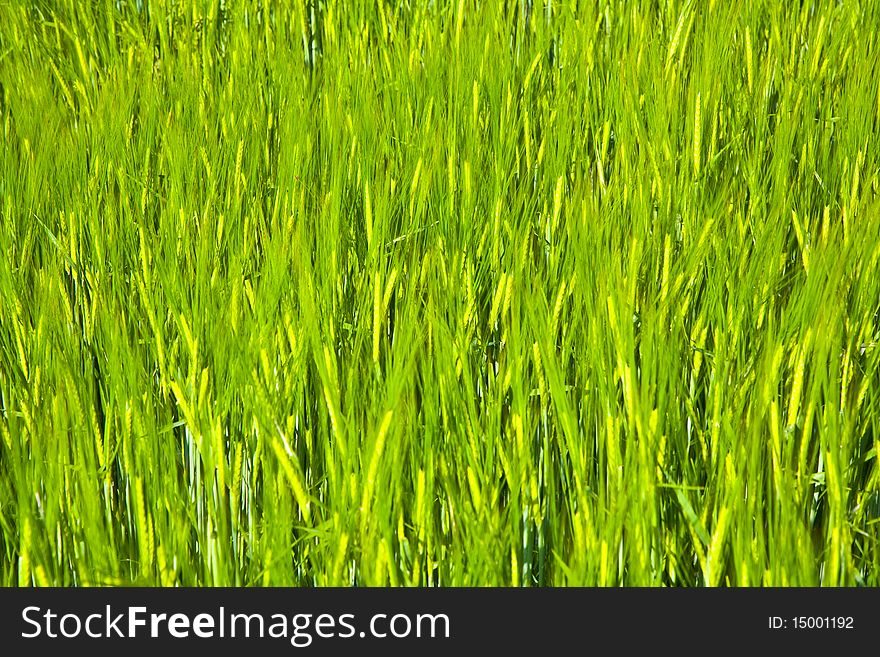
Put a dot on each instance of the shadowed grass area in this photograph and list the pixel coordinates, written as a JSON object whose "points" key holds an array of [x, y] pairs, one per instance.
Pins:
{"points": [[422, 293]]}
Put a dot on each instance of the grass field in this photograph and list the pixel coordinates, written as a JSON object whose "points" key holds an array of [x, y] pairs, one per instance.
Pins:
{"points": [[428, 293]]}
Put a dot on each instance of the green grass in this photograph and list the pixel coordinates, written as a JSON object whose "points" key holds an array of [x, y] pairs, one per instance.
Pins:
{"points": [[419, 293]]}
